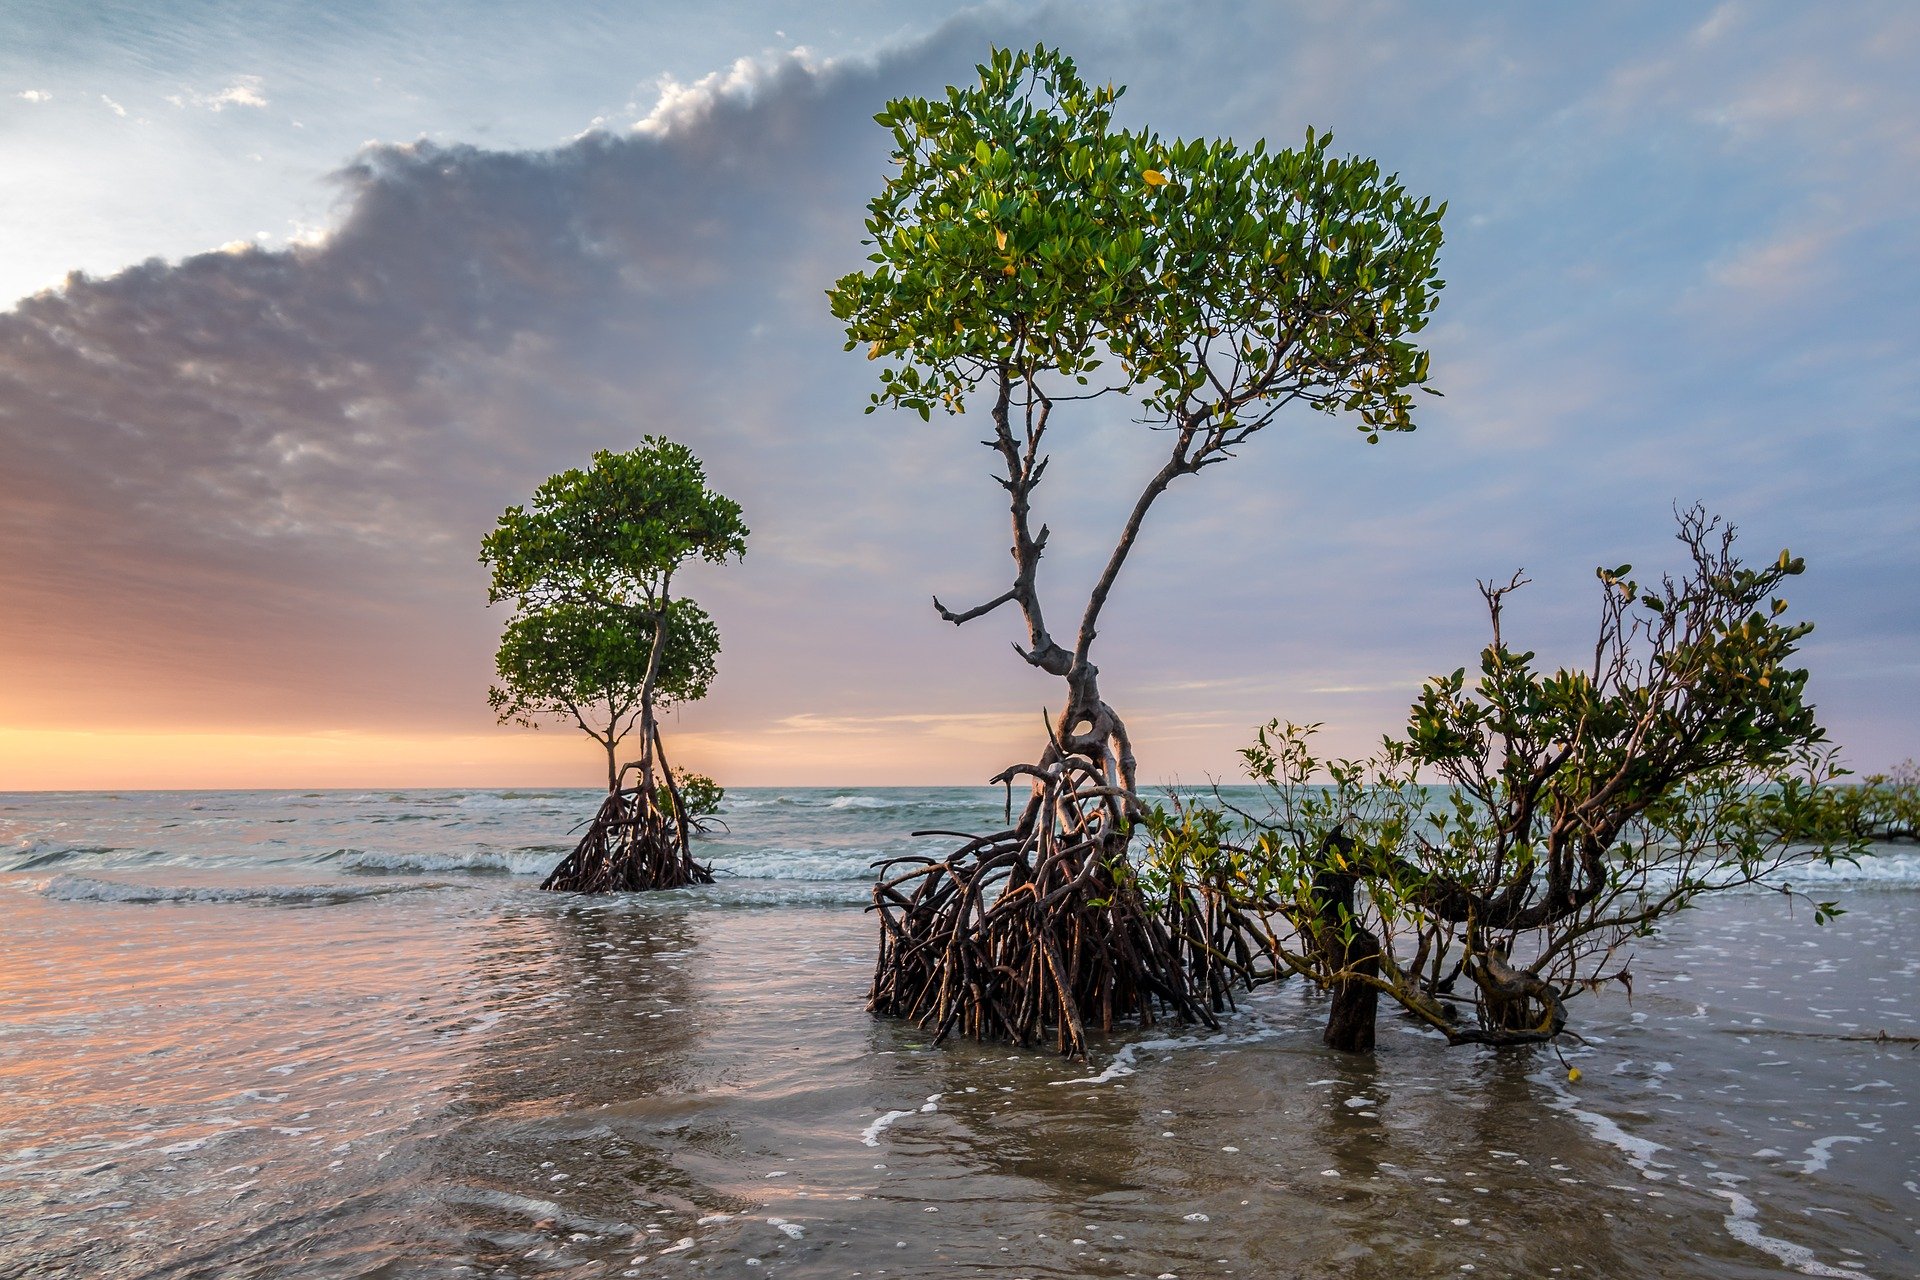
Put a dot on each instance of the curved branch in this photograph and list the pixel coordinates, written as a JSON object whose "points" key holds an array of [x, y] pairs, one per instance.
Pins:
{"points": [[1176, 464], [978, 611]]}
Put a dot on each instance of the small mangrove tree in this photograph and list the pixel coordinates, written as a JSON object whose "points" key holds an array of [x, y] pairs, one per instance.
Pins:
{"points": [[1576, 810], [598, 637]]}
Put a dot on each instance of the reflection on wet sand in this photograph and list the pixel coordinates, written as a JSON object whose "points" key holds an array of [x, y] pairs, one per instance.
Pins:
{"points": [[581, 1096], [705, 1076]]}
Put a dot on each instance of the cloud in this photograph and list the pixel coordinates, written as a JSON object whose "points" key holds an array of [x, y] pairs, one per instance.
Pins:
{"points": [[1777, 270], [242, 91], [113, 106], [678, 105], [277, 465], [34, 95], [971, 725]]}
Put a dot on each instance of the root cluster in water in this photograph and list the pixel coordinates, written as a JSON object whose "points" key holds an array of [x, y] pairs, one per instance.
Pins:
{"points": [[1039, 933], [633, 843]]}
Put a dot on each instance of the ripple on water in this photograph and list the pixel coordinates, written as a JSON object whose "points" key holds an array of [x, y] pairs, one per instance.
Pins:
{"points": [[446, 1067]]}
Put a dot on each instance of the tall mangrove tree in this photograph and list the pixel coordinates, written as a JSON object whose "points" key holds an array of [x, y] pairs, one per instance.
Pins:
{"points": [[1028, 254]]}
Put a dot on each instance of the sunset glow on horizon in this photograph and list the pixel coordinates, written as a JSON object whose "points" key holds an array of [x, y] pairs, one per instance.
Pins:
{"points": [[69, 760]]}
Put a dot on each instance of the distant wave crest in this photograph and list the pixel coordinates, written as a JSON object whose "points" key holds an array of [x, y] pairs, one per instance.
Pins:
{"points": [[30, 854], [72, 888], [795, 864], [512, 862]]}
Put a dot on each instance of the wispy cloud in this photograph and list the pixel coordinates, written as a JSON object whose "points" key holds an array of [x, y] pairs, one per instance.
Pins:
{"points": [[242, 91], [969, 725], [34, 95]]}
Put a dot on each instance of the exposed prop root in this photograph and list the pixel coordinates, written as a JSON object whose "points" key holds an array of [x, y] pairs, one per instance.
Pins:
{"points": [[634, 843], [1038, 933]]}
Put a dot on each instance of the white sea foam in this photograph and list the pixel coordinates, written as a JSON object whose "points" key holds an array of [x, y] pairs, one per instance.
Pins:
{"points": [[871, 1134], [797, 863], [1887, 864], [1123, 1063], [486, 801], [1820, 1154], [1742, 1222], [1638, 1151]]}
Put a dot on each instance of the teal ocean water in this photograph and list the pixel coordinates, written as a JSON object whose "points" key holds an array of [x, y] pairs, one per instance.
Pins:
{"points": [[343, 1034]]}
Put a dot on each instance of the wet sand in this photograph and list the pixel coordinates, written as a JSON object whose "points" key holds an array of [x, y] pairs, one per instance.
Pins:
{"points": [[481, 1080]]}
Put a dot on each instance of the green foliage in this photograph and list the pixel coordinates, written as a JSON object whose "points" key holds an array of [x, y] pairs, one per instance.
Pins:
{"points": [[1024, 233], [1884, 806], [568, 657], [1713, 690], [613, 534], [702, 797], [1193, 843], [1580, 807]]}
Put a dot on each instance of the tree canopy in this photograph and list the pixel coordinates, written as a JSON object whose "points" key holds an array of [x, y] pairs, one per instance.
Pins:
{"points": [[571, 660], [612, 534], [1029, 246], [1025, 232]]}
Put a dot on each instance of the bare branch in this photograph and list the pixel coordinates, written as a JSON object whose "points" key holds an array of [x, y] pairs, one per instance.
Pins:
{"points": [[978, 611]]}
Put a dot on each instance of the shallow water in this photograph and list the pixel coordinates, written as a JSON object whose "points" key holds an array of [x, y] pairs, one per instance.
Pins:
{"points": [[360, 1043]]}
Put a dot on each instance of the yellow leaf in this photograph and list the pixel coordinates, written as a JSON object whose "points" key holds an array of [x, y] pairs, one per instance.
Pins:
{"points": [[1155, 178], [873, 352], [1573, 1075], [1000, 239], [1007, 270]]}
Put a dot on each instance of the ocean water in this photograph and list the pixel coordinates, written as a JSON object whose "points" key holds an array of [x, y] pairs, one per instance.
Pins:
{"points": [[343, 1034]]}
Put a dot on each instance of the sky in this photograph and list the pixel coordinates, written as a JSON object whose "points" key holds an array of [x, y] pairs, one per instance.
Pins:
{"points": [[297, 298]]}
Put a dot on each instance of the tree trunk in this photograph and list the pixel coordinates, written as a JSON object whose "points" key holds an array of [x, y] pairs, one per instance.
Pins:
{"points": [[1347, 949], [1042, 928], [1350, 1016], [640, 838]]}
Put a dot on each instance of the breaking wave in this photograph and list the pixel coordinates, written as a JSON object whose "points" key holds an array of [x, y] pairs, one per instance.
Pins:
{"points": [[792, 864], [29, 855], [535, 861]]}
